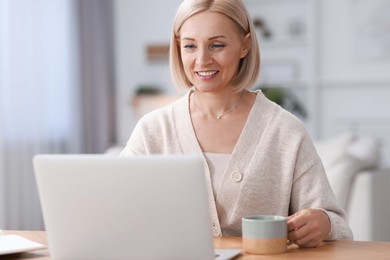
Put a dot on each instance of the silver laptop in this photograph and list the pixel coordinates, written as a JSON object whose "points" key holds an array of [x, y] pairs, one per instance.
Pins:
{"points": [[142, 207]]}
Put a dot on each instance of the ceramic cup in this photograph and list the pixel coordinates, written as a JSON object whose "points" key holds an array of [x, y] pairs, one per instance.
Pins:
{"points": [[264, 234]]}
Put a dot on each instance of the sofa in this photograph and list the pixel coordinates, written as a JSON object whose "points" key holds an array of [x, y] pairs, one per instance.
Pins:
{"points": [[361, 185]]}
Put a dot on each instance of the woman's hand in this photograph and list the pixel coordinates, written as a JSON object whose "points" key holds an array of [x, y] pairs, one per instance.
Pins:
{"points": [[308, 227]]}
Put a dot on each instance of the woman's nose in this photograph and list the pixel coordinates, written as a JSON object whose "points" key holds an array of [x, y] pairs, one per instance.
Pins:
{"points": [[203, 57]]}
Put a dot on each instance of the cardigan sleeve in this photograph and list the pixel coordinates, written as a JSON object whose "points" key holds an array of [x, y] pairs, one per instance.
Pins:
{"points": [[311, 189], [135, 145], [155, 133], [148, 135]]}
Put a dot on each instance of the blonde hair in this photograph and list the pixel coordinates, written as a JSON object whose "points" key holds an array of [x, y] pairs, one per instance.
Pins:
{"points": [[249, 67]]}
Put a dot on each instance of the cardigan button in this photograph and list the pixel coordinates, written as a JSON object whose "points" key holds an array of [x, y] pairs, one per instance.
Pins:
{"points": [[237, 176], [216, 231]]}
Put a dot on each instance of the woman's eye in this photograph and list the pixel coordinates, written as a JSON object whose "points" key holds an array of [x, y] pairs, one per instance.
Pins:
{"points": [[189, 46], [218, 46]]}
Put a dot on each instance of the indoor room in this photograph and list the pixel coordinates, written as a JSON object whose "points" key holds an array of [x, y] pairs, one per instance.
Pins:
{"points": [[77, 75]]}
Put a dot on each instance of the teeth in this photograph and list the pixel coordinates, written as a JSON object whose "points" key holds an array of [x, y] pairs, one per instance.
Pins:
{"points": [[207, 73]]}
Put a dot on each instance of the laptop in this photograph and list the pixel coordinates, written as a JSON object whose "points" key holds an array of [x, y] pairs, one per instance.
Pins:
{"points": [[141, 207]]}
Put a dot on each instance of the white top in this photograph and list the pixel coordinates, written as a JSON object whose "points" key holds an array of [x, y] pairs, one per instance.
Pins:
{"points": [[217, 163]]}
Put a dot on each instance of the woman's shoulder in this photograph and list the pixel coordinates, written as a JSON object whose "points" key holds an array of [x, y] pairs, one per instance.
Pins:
{"points": [[157, 130], [166, 111]]}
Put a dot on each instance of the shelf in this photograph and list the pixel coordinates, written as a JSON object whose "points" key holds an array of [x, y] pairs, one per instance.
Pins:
{"points": [[285, 31], [282, 43], [284, 84], [273, 2], [353, 83]]}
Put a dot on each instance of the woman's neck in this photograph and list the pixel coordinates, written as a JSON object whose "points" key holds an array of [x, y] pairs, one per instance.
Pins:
{"points": [[216, 104]]}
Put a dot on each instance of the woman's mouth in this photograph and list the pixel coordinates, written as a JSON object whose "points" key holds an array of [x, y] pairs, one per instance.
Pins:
{"points": [[207, 74]]}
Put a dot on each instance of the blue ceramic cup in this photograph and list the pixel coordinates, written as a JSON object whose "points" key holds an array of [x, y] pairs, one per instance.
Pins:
{"points": [[264, 234]]}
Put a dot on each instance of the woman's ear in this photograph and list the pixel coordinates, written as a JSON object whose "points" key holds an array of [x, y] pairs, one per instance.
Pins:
{"points": [[246, 45]]}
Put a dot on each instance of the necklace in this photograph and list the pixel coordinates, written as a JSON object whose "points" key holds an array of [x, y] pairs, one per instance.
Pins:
{"points": [[218, 117]]}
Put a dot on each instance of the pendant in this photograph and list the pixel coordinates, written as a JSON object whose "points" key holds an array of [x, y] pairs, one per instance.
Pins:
{"points": [[219, 117]]}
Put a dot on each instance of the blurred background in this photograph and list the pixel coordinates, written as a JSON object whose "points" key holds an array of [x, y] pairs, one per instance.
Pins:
{"points": [[75, 75]]}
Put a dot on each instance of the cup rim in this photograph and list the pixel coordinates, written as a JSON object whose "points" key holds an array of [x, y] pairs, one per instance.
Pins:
{"points": [[264, 218]]}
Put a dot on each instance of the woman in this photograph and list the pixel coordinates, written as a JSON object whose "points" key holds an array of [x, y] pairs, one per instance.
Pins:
{"points": [[258, 157]]}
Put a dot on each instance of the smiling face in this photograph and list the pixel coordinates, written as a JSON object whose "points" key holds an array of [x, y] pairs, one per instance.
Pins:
{"points": [[211, 49]]}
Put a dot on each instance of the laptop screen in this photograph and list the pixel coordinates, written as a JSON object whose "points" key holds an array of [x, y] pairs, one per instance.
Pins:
{"points": [[107, 207]]}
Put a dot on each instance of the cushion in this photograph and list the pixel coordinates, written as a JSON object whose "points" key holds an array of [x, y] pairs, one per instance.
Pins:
{"points": [[343, 156]]}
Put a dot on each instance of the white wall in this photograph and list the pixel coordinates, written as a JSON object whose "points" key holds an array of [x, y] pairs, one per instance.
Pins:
{"points": [[344, 30]]}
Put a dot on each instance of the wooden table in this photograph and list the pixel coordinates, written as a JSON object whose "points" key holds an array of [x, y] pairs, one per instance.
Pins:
{"points": [[342, 250]]}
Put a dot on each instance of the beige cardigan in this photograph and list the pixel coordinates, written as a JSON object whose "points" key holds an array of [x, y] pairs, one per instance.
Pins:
{"points": [[274, 167]]}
